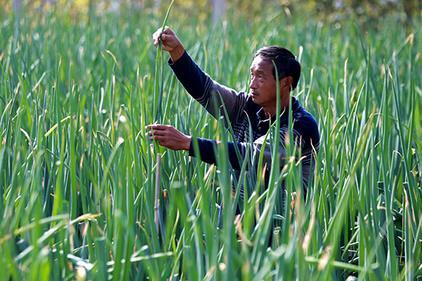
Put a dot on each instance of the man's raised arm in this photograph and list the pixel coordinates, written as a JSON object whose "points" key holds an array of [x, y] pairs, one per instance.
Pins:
{"points": [[199, 85]]}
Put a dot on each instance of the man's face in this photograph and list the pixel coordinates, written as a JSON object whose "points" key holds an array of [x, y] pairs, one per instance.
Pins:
{"points": [[263, 84]]}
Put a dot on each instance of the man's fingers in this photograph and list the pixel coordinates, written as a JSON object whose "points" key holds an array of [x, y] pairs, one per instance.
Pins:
{"points": [[160, 33], [164, 37], [158, 133], [156, 34], [162, 140], [158, 127], [154, 127], [157, 37], [167, 30], [165, 135], [158, 137]]}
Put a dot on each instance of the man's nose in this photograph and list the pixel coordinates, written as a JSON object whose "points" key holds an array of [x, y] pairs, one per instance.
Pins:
{"points": [[252, 84]]}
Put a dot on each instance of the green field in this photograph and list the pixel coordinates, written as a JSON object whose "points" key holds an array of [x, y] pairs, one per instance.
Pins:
{"points": [[78, 174]]}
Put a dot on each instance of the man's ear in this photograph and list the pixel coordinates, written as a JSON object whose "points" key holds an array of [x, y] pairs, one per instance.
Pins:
{"points": [[286, 82]]}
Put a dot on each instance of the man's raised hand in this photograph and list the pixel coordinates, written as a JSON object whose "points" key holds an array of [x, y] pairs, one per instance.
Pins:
{"points": [[169, 42]]}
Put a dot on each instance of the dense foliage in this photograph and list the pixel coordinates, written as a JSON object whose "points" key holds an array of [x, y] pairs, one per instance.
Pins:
{"points": [[78, 174]]}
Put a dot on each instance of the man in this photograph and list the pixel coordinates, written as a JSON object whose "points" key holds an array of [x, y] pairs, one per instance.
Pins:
{"points": [[243, 112]]}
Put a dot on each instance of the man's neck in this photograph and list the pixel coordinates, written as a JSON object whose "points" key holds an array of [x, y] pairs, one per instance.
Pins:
{"points": [[271, 111]]}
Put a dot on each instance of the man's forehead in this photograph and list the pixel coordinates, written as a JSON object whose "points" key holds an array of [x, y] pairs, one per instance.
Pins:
{"points": [[260, 63]]}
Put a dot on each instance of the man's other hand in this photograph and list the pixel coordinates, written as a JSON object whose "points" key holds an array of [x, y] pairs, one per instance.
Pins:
{"points": [[169, 41], [169, 137]]}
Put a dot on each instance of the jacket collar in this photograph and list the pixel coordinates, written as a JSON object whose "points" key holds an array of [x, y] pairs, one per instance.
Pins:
{"points": [[284, 116]]}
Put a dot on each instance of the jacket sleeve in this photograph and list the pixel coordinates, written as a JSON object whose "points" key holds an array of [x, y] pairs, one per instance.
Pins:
{"points": [[217, 99], [208, 150]]}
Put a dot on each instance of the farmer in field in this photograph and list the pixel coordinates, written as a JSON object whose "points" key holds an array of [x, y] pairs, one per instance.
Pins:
{"points": [[256, 109]]}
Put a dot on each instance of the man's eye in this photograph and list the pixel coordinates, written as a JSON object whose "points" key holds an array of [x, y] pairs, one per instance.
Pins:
{"points": [[257, 76]]}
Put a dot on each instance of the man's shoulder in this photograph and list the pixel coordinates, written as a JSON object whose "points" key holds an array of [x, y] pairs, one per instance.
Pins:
{"points": [[306, 125], [302, 116]]}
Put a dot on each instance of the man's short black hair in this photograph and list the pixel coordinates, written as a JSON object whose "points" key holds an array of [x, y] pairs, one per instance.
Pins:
{"points": [[286, 63]]}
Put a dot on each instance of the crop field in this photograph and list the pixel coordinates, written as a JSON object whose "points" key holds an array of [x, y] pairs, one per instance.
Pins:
{"points": [[86, 195]]}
